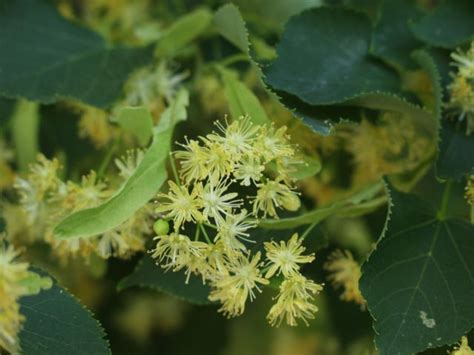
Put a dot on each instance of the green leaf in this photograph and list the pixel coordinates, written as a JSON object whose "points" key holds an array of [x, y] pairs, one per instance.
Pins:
{"points": [[183, 31], [137, 121], [56, 323], [455, 152], [148, 274], [25, 132], [392, 39], [339, 70], [323, 59], [46, 58], [231, 26], [241, 100], [419, 282], [137, 190], [447, 26], [359, 204]]}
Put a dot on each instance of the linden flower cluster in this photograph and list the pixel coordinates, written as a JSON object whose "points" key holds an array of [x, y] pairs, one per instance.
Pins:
{"points": [[46, 200], [15, 281], [462, 87], [204, 200], [345, 273]]}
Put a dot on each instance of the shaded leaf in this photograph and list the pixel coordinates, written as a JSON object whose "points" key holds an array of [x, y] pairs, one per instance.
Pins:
{"points": [[137, 190], [447, 26], [419, 282], [392, 39], [183, 31], [455, 152], [46, 58], [339, 70], [335, 70], [137, 121], [148, 274], [56, 323]]}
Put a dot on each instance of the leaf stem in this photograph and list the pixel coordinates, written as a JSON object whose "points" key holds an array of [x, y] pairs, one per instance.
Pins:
{"points": [[196, 234], [308, 230], [205, 233], [234, 59], [105, 163], [175, 171]]}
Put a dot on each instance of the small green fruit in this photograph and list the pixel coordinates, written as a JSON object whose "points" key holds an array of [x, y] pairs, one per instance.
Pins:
{"points": [[161, 227]]}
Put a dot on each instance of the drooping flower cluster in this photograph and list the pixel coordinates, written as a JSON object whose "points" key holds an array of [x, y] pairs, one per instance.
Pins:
{"points": [[296, 291], [462, 86], [226, 181], [15, 281], [345, 274], [46, 200]]}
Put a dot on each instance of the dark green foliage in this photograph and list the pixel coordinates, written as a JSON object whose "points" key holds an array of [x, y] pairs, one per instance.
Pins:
{"points": [[50, 58], [419, 282], [56, 323], [148, 274]]}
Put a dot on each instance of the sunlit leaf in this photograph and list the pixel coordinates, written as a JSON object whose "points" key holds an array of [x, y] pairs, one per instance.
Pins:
{"points": [[137, 190], [137, 121]]}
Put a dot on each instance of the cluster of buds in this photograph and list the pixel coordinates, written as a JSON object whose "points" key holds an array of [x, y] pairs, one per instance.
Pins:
{"points": [[228, 180]]}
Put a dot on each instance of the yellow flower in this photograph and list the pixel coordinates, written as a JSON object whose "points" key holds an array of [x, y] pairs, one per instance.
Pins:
{"points": [[463, 348], [233, 289], [37, 188], [129, 163], [175, 249], [273, 144], [462, 86], [216, 201], [345, 273], [286, 257], [89, 193], [15, 281], [249, 170], [182, 206], [465, 61], [94, 125], [294, 301], [237, 137], [274, 194], [193, 161], [218, 162], [235, 227]]}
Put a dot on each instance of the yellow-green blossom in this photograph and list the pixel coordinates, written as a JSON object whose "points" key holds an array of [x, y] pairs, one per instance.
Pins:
{"points": [[285, 257], [295, 301]]}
